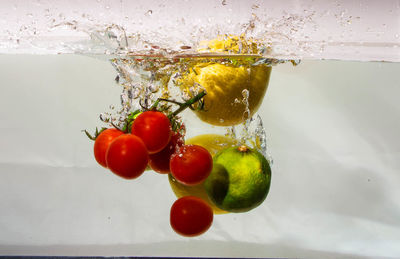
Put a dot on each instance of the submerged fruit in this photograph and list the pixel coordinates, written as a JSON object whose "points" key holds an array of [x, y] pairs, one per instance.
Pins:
{"points": [[102, 143], [230, 89], [159, 162], [181, 190], [240, 179], [127, 156], [191, 164], [190, 216], [154, 128], [213, 143]]}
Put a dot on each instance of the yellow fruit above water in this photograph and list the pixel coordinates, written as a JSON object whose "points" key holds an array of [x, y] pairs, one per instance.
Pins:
{"points": [[213, 143], [227, 86], [228, 44]]}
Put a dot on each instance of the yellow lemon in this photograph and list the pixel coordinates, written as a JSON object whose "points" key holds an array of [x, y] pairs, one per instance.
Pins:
{"points": [[234, 92], [213, 143], [229, 44]]}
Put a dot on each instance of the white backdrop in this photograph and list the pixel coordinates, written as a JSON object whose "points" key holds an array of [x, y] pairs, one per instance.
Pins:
{"points": [[333, 131]]}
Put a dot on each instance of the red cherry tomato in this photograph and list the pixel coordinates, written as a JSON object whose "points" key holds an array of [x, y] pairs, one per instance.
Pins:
{"points": [[191, 165], [102, 142], [154, 129], [159, 162], [127, 156], [191, 216]]}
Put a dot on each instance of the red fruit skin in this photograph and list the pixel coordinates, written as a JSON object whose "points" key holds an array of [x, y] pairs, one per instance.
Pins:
{"points": [[191, 216], [159, 162], [191, 165], [102, 143], [127, 156], [154, 128]]}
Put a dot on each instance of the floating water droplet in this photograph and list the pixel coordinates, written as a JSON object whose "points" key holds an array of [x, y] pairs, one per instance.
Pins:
{"points": [[153, 87], [103, 117], [136, 92], [245, 101], [245, 94]]}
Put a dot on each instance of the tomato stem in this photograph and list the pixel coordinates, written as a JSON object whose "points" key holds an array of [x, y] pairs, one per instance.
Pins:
{"points": [[129, 120], [188, 103], [243, 148], [170, 101], [96, 134], [182, 106]]}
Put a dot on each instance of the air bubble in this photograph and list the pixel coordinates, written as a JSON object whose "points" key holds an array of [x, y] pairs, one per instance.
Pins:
{"points": [[153, 88]]}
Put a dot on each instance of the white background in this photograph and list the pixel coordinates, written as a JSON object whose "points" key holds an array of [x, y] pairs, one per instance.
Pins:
{"points": [[333, 131]]}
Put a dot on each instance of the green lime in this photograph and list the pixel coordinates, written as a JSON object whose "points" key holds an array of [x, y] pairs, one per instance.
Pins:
{"points": [[240, 179]]}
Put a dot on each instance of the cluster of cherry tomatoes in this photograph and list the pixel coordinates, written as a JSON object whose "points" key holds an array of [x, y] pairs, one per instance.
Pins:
{"points": [[152, 142]]}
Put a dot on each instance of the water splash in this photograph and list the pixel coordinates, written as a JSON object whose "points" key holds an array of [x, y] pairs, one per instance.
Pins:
{"points": [[251, 133]]}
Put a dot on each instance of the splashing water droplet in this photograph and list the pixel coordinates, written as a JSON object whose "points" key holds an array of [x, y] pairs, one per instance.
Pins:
{"points": [[153, 87], [245, 101], [104, 117]]}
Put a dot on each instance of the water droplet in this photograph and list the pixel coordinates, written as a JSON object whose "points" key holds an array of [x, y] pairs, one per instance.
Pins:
{"points": [[103, 117], [136, 92], [153, 87], [149, 13], [245, 94]]}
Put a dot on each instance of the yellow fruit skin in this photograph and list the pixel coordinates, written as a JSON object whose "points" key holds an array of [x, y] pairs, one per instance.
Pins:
{"points": [[181, 190], [224, 85], [213, 143]]}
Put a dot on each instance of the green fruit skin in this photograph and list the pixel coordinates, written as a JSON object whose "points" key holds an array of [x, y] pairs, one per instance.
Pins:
{"points": [[239, 181]]}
